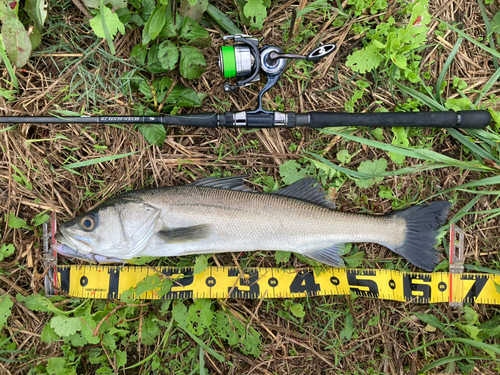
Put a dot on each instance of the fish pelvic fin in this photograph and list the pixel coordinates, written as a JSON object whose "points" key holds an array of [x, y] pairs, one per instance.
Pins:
{"points": [[422, 227], [328, 255], [185, 234], [308, 190]]}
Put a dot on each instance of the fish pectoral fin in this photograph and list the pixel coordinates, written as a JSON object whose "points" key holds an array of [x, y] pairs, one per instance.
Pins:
{"points": [[328, 255], [185, 234]]}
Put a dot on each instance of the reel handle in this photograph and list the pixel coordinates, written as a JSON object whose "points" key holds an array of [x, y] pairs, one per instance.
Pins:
{"points": [[314, 56]]}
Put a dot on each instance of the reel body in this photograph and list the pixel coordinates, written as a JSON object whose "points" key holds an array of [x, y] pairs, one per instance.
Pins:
{"points": [[246, 62]]}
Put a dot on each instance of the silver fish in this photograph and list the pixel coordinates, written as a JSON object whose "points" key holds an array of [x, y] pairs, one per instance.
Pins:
{"points": [[222, 215]]}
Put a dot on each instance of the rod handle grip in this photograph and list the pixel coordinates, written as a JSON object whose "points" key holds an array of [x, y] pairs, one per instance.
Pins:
{"points": [[463, 119]]}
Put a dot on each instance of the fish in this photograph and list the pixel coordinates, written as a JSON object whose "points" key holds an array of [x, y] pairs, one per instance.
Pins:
{"points": [[217, 215]]}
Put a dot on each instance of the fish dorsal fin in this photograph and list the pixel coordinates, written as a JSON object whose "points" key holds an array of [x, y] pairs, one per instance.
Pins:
{"points": [[229, 183], [309, 190]]}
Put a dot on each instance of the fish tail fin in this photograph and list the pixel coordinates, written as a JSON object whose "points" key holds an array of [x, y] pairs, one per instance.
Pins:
{"points": [[422, 226]]}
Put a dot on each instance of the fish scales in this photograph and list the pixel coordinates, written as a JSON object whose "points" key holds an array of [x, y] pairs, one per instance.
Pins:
{"points": [[243, 221]]}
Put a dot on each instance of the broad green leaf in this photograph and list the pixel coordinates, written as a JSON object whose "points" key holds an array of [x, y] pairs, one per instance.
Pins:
{"points": [[16, 41], [5, 309], [373, 168], [35, 38], [57, 366], [112, 21], [181, 96], [138, 54], [39, 303], [65, 326], [6, 250], [37, 12], [157, 21], [168, 55], [180, 313], [201, 263], [153, 64], [297, 309], [193, 9], [347, 331], [150, 283], [41, 11], [256, 13], [431, 319], [344, 157], [40, 219], [191, 29], [14, 222], [470, 315], [365, 60], [354, 261], [495, 23], [291, 171], [154, 133], [192, 61], [461, 104], [282, 256], [121, 358], [49, 335], [400, 139]]}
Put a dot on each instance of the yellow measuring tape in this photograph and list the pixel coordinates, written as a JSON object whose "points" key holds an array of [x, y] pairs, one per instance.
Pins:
{"points": [[105, 282]]}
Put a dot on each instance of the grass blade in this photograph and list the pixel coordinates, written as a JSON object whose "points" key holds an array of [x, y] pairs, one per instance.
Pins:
{"points": [[106, 31], [446, 66], [474, 343], [471, 39], [446, 360], [8, 65], [489, 33], [422, 154], [477, 150], [97, 160], [488, 86], [346, 171]]}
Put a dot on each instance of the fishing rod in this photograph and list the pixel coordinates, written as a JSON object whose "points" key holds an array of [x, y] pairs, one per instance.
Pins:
{"points": [[245, 62]]}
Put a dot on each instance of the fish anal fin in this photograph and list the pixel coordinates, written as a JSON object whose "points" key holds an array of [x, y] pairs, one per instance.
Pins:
{"points": [[309, 190], [185, 234], [228, 183], [328, 255]]}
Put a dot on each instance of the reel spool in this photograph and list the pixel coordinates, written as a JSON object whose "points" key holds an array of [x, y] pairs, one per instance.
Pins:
{"points": [[240, 61]]}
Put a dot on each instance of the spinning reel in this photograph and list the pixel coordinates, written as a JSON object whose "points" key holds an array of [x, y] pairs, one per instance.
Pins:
{"points": [[246, 62]]}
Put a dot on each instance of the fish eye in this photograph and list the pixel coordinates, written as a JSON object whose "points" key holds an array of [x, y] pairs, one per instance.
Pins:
{"points": [[88, 222]]}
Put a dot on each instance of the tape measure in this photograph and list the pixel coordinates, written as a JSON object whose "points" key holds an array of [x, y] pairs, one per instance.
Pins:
{"points": [[109, 282]]}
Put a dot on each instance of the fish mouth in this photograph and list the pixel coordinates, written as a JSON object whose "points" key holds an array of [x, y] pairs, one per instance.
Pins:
{"points": [[65, 239], [69, 248], [77, 244]]}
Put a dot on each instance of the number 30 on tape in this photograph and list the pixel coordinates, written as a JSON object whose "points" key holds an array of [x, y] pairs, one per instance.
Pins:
{"points": [[222, 282]]}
